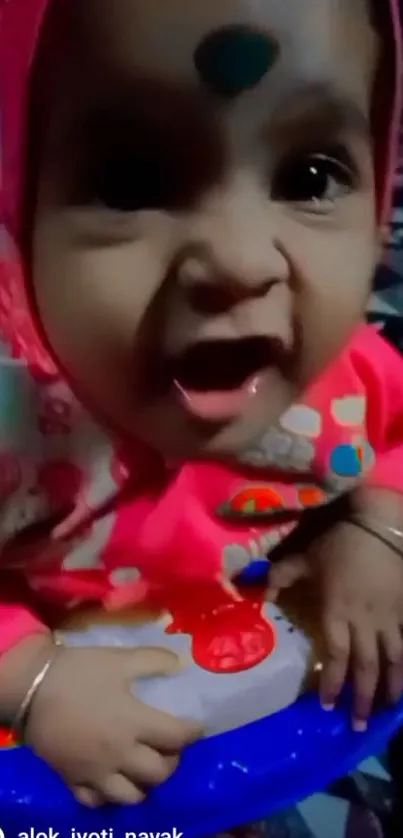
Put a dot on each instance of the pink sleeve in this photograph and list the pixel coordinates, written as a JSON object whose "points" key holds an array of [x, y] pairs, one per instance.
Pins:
{"points": [[388, 470], [380, 368], [16, 623]]}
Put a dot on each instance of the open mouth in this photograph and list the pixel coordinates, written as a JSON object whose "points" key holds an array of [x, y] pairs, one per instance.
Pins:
{"points": [[216, 379]]}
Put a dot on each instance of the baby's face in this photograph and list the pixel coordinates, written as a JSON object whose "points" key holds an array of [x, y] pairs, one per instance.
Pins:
{"points": [[205, 234]]}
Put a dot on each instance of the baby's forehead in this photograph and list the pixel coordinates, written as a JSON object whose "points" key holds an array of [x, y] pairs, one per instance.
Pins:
{"points": [[214, 49], [320, 41]]}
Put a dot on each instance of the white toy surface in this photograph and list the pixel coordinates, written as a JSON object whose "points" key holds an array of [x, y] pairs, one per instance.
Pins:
{"points": [[221, 701]]}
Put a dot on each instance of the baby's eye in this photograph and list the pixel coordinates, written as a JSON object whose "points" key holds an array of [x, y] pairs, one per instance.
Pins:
{"points": [[130, 185], [313, 182]]}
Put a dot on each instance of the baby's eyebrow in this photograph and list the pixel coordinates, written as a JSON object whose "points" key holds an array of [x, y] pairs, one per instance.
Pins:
{"points": [[319, 110]]}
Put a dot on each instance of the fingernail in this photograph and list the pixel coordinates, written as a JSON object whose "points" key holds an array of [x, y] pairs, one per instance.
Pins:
{"points": [[328, 708], [359, 725]]}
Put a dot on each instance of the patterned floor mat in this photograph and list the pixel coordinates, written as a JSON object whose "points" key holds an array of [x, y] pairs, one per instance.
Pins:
{"points": [[358, 806]]}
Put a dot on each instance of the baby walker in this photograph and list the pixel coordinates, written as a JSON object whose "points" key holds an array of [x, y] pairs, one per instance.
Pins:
{"points": [[268, 743]]}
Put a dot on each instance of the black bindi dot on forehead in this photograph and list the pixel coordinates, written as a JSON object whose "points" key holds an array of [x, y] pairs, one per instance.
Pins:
{"points": [[233, 59]]}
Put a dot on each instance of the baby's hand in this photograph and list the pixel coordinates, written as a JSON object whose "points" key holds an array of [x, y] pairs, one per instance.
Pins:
{"points": [[360, 582], [107, 745]]}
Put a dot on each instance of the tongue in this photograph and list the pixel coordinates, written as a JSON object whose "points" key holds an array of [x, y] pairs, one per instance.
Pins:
{"points": [[218, 405]]}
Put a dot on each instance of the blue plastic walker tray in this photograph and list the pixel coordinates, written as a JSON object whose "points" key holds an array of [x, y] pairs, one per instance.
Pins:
{"points": [[223, 781]]}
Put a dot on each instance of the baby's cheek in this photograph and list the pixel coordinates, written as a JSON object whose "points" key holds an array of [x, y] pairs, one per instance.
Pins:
{"points": [[94, 280], [336, 269], [76, 314]]}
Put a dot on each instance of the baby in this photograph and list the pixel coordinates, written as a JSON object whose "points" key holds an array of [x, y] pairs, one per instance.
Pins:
{"points": [[193, 198]]}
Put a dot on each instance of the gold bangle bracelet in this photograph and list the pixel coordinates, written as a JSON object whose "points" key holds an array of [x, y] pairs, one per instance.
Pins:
{"points": [[391, 536], [25, 706]]}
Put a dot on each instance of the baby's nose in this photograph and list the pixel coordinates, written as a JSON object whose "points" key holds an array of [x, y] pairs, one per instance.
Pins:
{"points": [[211, 286]]}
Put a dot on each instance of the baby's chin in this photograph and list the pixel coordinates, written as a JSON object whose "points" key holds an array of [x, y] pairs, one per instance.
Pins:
{"points": [[168, 429]]}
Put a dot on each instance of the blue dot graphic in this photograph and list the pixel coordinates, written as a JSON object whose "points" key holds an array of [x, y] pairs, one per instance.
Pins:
{"points": [[255, 573], [345, 462]]}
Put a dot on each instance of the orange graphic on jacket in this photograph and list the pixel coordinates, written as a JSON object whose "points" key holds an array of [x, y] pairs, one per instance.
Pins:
{"points": [[254, 500], [265, 500], [310, 497]]}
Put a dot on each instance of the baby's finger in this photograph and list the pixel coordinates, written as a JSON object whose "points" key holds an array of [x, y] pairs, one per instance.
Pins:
{"points": [[118, 789], [165, 733], [392, 645], [286, 572], [148, 767], [337, 639], [88, 797], [365, 662], [149, 662]]}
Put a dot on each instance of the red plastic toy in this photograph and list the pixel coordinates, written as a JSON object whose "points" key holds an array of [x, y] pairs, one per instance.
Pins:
{"points": [[8, 739], [228, 629]]}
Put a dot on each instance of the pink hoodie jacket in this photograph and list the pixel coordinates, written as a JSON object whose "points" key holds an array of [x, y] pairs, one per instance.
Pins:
{"points": [[129, 528]]}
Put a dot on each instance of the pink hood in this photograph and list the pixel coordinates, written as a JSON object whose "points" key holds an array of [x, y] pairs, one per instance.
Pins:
{"points": [[49, 458]]}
